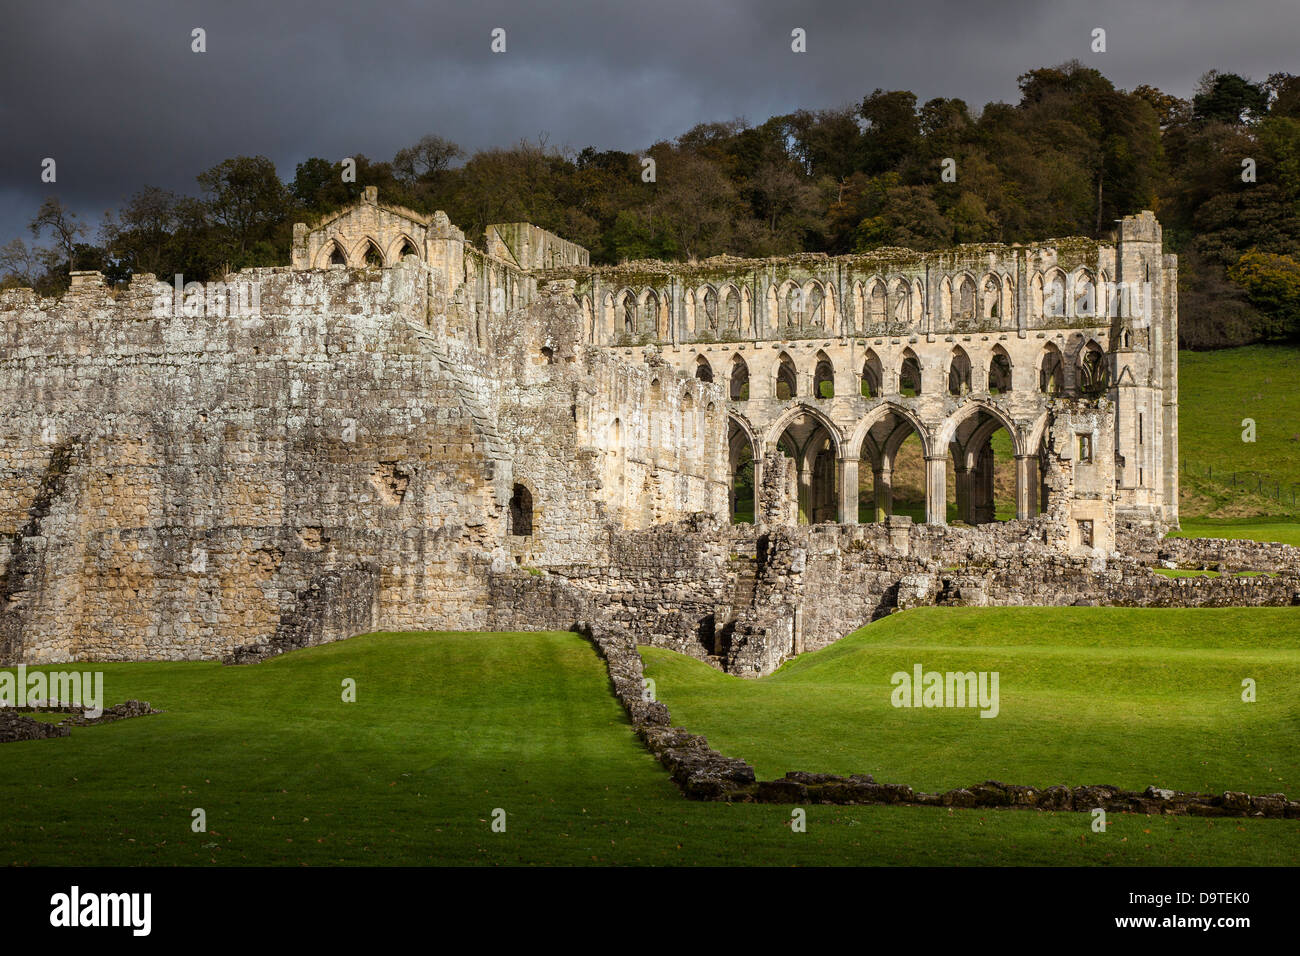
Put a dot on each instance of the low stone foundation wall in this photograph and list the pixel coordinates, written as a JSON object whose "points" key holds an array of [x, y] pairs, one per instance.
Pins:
{"points": [[701, 773], [16, 726]]}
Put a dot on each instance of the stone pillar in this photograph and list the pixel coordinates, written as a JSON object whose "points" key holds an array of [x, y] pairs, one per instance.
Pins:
{"points": [[848, 478], [884, 492], [778, 496], [1026, 485], [962, 477], [936, 489], [983, 487]]}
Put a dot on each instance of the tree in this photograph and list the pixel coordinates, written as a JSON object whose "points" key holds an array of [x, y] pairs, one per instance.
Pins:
{"points": [[1273, 284], [1229, 98], [246, 199], [428, 157], [142, 234], [61, 223], [20, 264]]}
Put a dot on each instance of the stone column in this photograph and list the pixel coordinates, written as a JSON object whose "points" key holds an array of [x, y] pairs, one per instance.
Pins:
{"points": [[848, 478], [1026, 485], [884, 492], [936, 489], [778, 501], [962, 477]]}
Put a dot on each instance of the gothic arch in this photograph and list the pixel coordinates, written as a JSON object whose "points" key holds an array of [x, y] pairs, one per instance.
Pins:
{"points": [[786, 374], [798, 410], [948, 430], [367, 249], [882, 412], [331, 254], [738, 388], [1001, 375], [402, 247], [1050, 368]]}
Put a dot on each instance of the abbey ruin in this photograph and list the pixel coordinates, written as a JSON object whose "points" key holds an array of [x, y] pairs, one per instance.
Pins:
{"points": [[401, 430]]}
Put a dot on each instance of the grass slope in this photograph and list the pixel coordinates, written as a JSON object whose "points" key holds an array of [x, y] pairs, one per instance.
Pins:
{"points": [[1216, 392], [1131, 697], [447, 727]]}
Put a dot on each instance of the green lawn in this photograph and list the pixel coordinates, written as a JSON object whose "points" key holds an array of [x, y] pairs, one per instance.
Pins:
{"points": [[1131, 697], [1253, 529], [1216, 392], [446, 728]]}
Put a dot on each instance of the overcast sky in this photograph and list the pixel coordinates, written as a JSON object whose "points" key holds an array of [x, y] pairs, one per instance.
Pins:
{"points": [[114, 94]]}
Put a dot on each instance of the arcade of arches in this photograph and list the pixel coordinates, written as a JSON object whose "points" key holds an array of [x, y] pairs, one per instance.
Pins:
{"points": [[979, 476]]}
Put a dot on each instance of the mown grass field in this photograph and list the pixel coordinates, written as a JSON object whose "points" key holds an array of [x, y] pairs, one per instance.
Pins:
{"points": [[1131, 697], [446, 728], [1217, 392]]}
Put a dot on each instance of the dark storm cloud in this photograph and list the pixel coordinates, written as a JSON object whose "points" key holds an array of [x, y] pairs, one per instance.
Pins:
{"points": [[114, 94]]}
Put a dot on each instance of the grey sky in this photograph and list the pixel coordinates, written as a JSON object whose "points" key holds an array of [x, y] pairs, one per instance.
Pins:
{"points": [[114, 94]]}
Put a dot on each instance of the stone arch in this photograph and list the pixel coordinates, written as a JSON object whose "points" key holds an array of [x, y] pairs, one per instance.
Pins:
{"points": [[814, 305], [959, 372], [1056, 298], [909, 374], [918, 303], [947, 432], [742, 456], [883, 413], [902, 313], [877, 440], [778, 428], [707, 299], [791, 303], [873, 375], [403, 246], [367, 253], [625, 312], [857, 298], [824, 376], [690, 317], [703, 370], [1051, 370], [331, 254], [787, 378], [648, 307], [967, 434], [944, 312], [966, 298], [877, 303], [832, 311], [1083, 294], [1000, 378], [738, 389], [991, 298], [811, 439], [732, 311], [1036, 304], [1093, 369], [747, 325]]}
